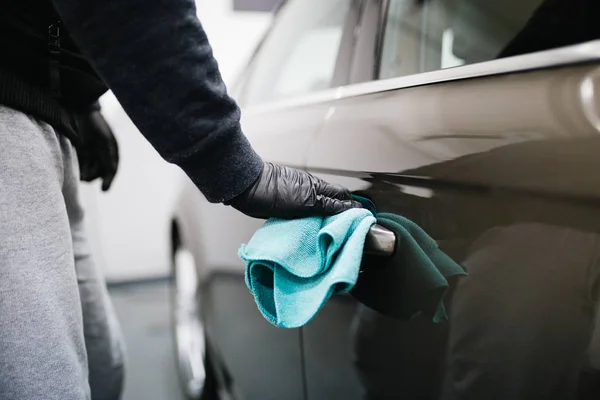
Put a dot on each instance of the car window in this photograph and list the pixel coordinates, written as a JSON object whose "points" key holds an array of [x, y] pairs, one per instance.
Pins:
{"points": [[451, 33], [299, 54], [401, 40]]}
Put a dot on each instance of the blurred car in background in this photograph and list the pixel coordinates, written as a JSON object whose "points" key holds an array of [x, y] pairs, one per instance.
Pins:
{"points": [[477, 119]]}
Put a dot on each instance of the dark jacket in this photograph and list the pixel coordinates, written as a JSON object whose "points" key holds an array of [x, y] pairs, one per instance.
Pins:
{"points": [[25, 66], [155, 57]]}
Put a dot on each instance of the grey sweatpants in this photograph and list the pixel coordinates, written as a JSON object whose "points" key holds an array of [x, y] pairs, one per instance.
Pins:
{"points": [[59, 337]]}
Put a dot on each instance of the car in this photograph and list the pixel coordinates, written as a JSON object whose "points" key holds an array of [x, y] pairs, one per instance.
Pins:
{"points": [[479, 120]]}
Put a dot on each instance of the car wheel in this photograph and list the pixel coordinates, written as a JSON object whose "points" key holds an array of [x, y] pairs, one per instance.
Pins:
{"points": [[188, 331]]}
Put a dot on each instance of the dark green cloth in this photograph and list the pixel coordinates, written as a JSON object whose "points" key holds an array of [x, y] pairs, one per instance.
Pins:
{"points": [[414, 280]]}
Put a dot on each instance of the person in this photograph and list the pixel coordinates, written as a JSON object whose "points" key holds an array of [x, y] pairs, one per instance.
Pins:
{"points": [[59, 336]]}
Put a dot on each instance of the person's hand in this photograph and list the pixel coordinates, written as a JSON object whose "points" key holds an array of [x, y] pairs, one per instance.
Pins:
{"points": [[98, 151], [290, 193]]}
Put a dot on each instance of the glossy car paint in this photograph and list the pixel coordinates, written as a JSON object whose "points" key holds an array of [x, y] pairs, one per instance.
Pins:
{"points": [[496, 161], [467, 161]]}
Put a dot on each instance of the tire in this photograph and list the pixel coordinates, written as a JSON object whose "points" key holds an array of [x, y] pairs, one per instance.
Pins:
{"points": [[197, 381]]}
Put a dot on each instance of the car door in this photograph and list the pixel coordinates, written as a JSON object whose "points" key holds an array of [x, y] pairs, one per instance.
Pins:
{"points": [[478, 120], [299, 57]]}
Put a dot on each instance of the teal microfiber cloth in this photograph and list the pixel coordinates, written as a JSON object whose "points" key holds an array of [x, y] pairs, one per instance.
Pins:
{"points": [[294, 266]]}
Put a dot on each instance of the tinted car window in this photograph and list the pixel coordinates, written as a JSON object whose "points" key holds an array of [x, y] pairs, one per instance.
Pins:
{"points": [[456, 32], [299, 54], [401, 40]]}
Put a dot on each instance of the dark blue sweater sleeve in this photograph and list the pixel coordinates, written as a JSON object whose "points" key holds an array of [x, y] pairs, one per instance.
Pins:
{"points": [[155, 57]]}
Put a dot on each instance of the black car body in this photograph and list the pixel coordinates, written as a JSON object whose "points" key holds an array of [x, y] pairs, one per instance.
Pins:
{"points": [[476, 119]]}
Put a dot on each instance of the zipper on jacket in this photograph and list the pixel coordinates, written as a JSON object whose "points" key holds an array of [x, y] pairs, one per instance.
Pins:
{"points": [[54, 52]]}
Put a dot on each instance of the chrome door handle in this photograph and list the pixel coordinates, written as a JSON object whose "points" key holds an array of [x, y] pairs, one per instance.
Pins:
{"points": [[380, 241]]}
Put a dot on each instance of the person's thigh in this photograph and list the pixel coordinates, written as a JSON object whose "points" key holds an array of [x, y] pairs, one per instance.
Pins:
{"points": [[103, 338], [521, 321], [42, 351]]}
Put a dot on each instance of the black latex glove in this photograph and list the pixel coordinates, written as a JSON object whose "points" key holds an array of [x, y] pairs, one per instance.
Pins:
{"points": [[290, 193], [98, 151]]}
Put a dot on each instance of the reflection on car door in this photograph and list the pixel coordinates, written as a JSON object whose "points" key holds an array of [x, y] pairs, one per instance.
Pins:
{"points": [[496, 161]]}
